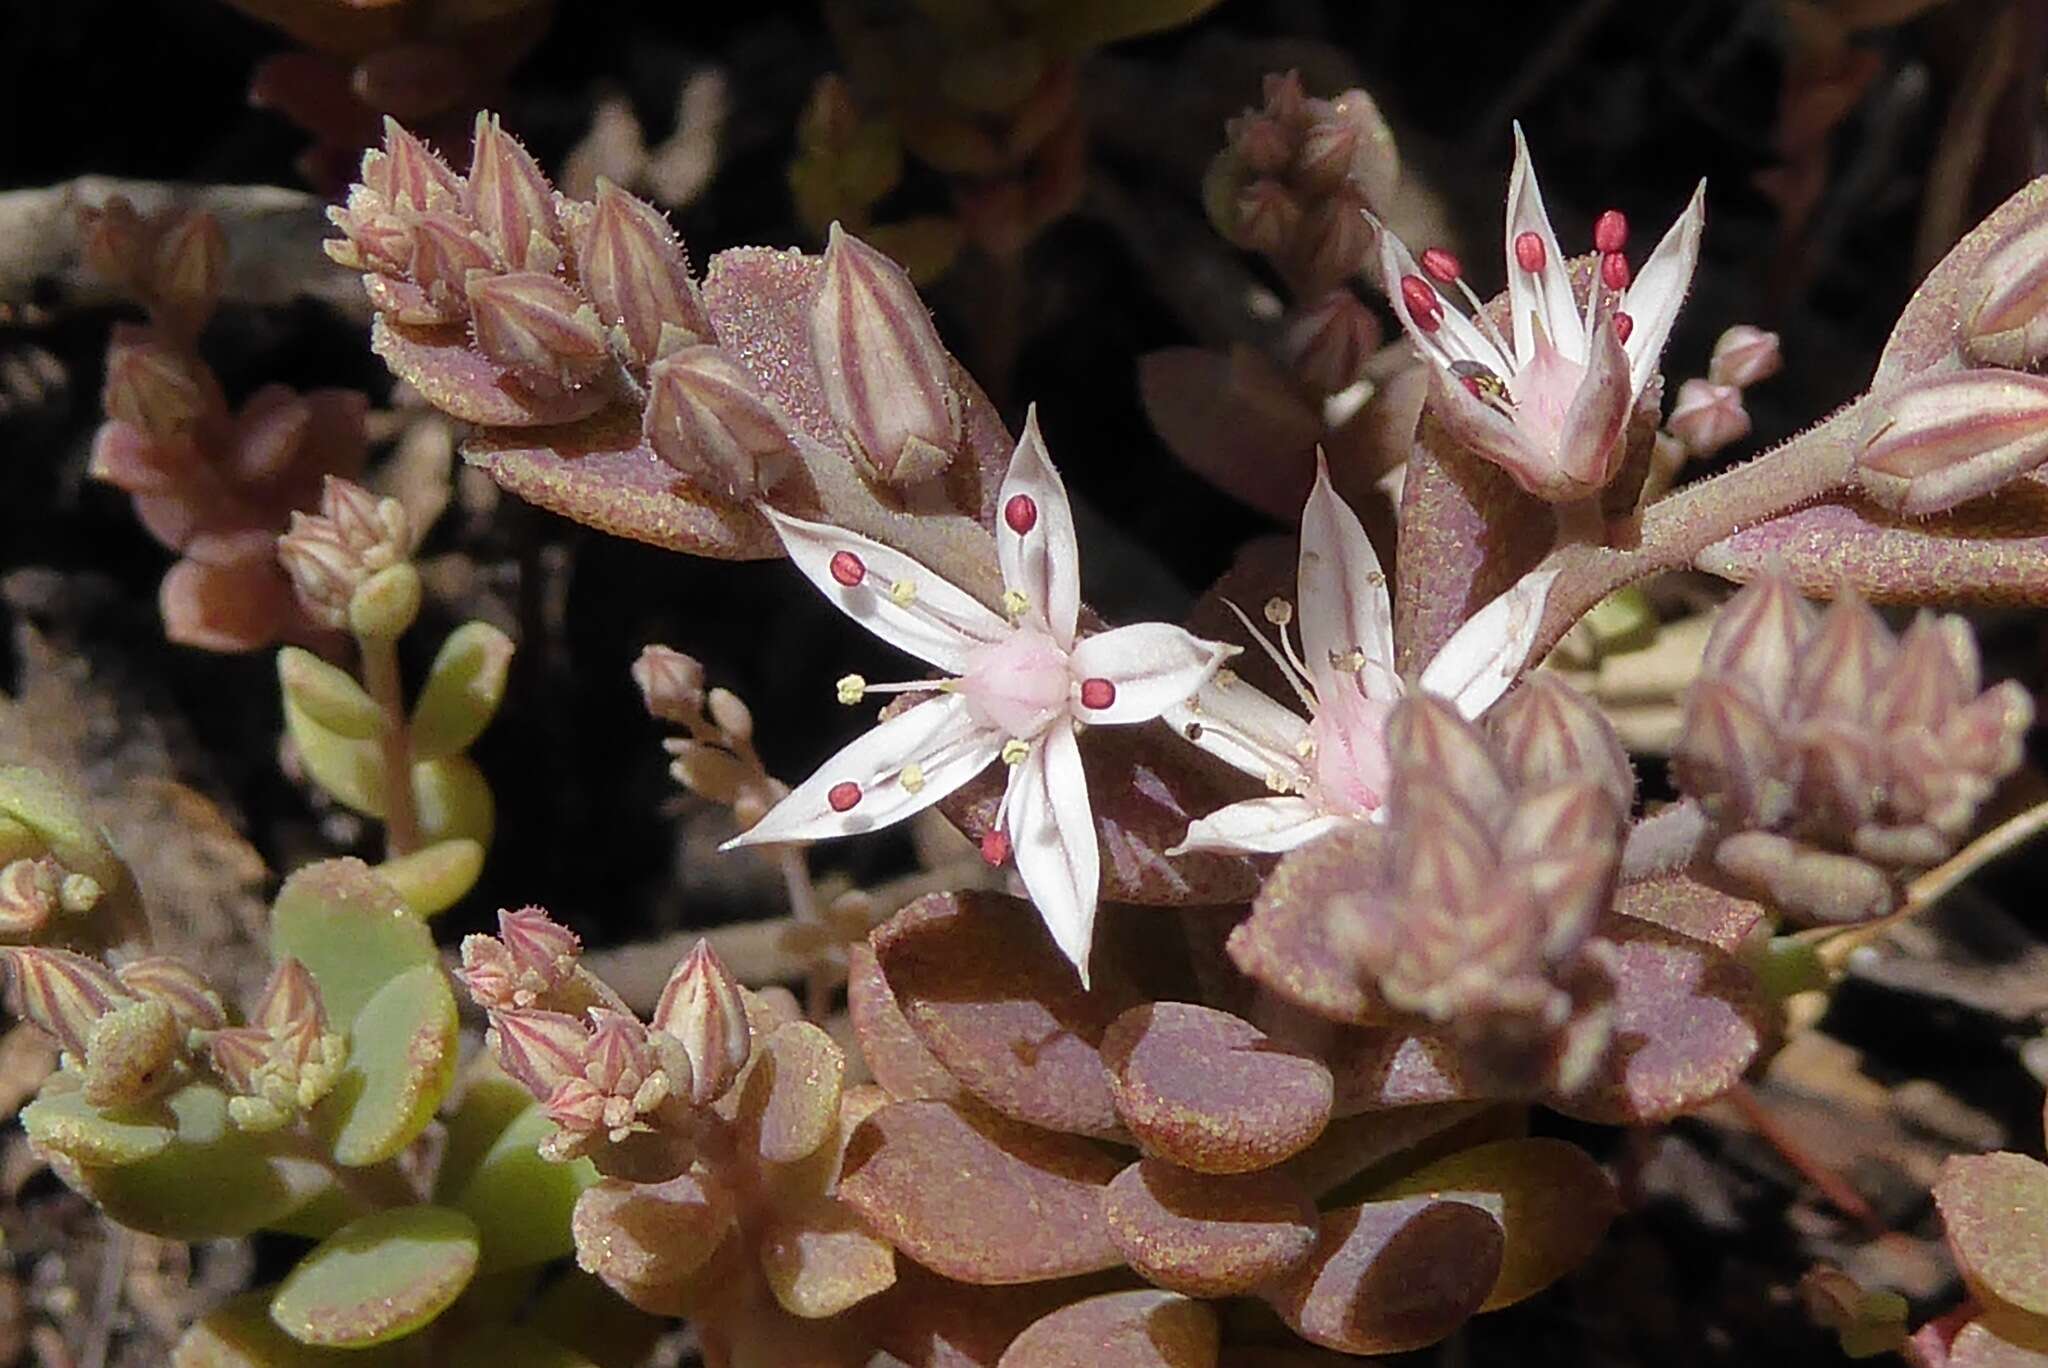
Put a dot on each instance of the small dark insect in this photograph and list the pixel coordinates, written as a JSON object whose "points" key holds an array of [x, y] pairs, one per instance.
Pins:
{"points": [[1480, 379]]}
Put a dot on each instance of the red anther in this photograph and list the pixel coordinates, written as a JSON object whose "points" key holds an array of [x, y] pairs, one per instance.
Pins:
{"points": [[847, 568], [1614, 271], [1097, 693], [1623, 326], [1610, 232], [995, 847], [1529, 252], [1021, 513], [1442, 265], [843, 795], [1423, 304]]}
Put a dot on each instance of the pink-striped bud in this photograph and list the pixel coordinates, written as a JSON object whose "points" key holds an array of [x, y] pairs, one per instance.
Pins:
{"points": [[164, 392], [544, 950], [185, 277], [886, 377], [1945, 439], [1547, 732], [1333, 241], [1757, 639], [63, 992], [1729, 756], [410, 175], [1708, 416], [671, 684], [702, 1006], [290, 1000], [638, 277], [541, 1050], [534, 324], [178, 986], [30, 893], [511, 201], [1264, 217], [1743, 355], [706, 418], [444, 251], [2005, 303]]}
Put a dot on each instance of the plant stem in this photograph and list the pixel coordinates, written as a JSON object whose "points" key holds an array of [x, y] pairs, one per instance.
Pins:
{"points": [[1826, 1181], [394, 738], [803, 904]]}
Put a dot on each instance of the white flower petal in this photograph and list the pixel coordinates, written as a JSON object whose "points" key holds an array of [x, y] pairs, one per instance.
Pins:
{"points": [[1152, 665], [940, 736], [1653, 299], [1052, 832], [1483, 657], [1491, 434], [941, 625], [1244, 729], [1547, 293], [1344, 604], [1456, 337], [1043, 562], [1258, 826]]}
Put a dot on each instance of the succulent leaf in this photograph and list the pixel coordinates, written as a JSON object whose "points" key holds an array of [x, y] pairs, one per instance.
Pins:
{"points": [[378, 1278]]}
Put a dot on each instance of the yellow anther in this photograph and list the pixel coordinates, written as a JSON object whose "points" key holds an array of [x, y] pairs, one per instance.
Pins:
{"points": [[1279, 611], [912, 778], [1015, 751], [1277, 782], [1305, 747], [1226, 677], [903, 593], [1349, 661], [1015, 602], [852, 688]]}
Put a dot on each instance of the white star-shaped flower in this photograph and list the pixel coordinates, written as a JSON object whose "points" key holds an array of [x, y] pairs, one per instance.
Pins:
{"points": [[1021, 684], [1549, 401], [1332, 768]]}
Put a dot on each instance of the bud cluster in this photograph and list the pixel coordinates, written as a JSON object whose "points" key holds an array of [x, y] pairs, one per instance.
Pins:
{"points": [[1501, 852], [172, 262], [1834, 756], [605, 1077], [348, 563], [1296, 178], [35, 889], [1709, 413], [717, 760], [284, 1059], [126, 1034]]}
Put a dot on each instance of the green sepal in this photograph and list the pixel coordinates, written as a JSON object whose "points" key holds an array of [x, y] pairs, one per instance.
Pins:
{"points": [[350, 929], [521, 1202], [463, 689], [379, 1278], [401, 1061]]}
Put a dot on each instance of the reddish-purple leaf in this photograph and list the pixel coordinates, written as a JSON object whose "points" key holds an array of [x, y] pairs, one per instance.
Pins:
{"points": [[1390, 1276], [1209, 1091], [1209, 1235], [2000, 1342], [1994, 1208], [894, 1055], [932, 1322], [1141, 1329], [989, 994], [1285, 944], [454, 377], [1678, 902], [1352, 1144], [980, 1199], [1390, 1066]]}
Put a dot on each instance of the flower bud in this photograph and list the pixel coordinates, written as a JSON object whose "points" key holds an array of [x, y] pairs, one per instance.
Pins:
{"points": [[1708, 417], [511, 201], [409, 175], [534, 324], [63, 992], [543, 951], [270, 434], [444, 251], [1730, 757], [2005, 303], [29, 896], [1260, 144], [1264, 217], [1330, 342], [1843, 663], [290, 999], [161, 391], [1328, 146], [1743, 355], [1757, 638], [541, 1050], [129, 1054], [1286, 101], [1547, 732], [706, 419], [178, 986], [190, 262], [1429, 740], [635, 272], [1934, 674], [886, 377], [702, 1006], [1334, 238], [386, 603], [671, 684], [1941, 440], [323, 572], [733, 717]]}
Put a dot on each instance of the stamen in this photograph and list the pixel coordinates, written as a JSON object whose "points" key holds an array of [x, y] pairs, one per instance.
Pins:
{"points": [[1296, 677], [903, 593], [1016, 602], [1279, 611], [1614, 271], [1610, 232], [1423, 303], [911, 776], [1015, 751], [995, 847], [1529, 252], [843, 796], [1484, 319], [1097, 693], [1441, 265], [852, 688], [1623, 326], [1305, 748], [848, 568], [1021, 513]]}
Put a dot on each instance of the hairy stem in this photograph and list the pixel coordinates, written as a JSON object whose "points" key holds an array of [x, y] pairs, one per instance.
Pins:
{"points": [[394, 739]]}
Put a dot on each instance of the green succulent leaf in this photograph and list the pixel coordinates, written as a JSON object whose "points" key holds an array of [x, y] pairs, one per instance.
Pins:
{"points": [[1994, 1208], [349, 769], [401, 1061], [521, 1203], [489, 1103], [328, 695], [61, 1120], [40, 816], [240, 1334], [453, 800], [434, 879], [378, 1278], [212, 1181], [462, 692], [351, 929]]}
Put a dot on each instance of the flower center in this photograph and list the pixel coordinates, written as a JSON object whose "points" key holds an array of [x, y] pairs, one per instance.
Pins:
{"points": [[1349, 732], [1543, 390], [1019, 684]]}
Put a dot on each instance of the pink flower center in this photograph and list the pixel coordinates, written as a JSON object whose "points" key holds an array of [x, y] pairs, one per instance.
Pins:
{"points": [[1543, 391], [1017, 685], [1350, 737]]}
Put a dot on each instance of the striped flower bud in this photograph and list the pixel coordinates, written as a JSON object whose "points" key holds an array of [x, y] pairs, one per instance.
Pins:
{"points": [[1707, 417], [706, 418], [1944, 439], [702, 1006], [511, 201], [532, 323], [1744, 355], [636, 275], [2005, 302]]}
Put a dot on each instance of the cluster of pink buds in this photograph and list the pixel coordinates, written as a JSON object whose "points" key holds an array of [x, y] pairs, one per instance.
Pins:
{"points": [[717, 760], [125, 1033], [1295, 179], [34, 889], [285, 1058], [171, 263], [1709, 413], [609, 1082], [340, 558], [1834, 756]]}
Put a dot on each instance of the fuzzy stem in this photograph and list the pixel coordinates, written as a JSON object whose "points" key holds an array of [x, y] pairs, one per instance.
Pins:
{"points": [[394, 739]]}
